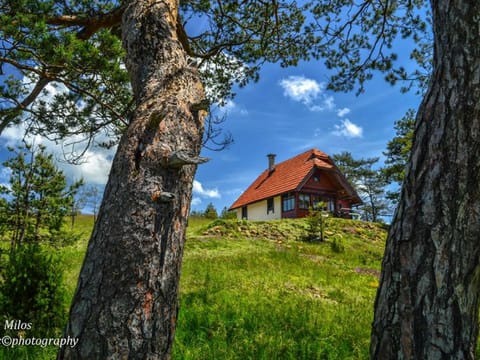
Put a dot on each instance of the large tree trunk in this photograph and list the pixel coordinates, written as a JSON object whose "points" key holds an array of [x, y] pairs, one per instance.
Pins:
{"points": [[427, 302], [125, 305]]}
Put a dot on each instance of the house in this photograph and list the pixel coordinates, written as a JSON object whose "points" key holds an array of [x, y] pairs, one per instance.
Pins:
{"points": [[288, 189]]}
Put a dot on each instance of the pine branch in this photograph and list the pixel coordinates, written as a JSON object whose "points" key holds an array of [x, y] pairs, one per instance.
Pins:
{"points": [[90, 25]]}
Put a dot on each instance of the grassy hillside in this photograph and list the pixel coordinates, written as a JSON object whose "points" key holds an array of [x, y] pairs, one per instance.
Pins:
{"points": [[254, 290]]}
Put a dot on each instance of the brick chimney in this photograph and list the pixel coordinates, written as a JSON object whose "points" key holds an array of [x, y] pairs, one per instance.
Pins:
{"points": [[271, 162]]}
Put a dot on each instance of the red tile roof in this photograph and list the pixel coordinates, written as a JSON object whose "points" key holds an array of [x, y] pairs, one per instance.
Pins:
{"points": [[288, 176]]}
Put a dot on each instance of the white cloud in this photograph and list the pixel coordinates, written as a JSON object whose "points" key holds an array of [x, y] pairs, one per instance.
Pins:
{"points": [[96, 161], [200, 191], [94, 169], [301, 89], [348, 129], [328, 103], [230, 107], [196, 201], [309, 92], [343, 112], [51, 90]]}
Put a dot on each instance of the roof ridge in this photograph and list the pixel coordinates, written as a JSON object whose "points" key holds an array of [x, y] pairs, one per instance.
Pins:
{"points": [[312, 151]]}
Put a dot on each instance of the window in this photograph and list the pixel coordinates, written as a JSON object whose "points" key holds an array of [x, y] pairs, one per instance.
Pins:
{"points": [[331, 206], [323, 203], [304, 201], [316, 202], [244, 213], [288, 202], [270, 206]]}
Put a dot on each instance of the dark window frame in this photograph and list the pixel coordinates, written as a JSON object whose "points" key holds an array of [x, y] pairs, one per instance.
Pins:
{"points": [[270, 206], [244, 213], [304, 201], [288, 202]]}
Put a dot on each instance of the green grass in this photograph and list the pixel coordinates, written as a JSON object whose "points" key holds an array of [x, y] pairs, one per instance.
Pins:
{"points": [[73, 254], [252, 290], [267, 299], [72, 258]]}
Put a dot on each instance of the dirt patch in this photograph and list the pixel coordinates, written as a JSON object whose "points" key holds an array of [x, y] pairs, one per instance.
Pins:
{"points": [[371, 272], [314, 258], [311, 291]]}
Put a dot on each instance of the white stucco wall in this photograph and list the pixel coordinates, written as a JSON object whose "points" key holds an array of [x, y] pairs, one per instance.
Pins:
{"points": [[258, 210], [239, 213]]}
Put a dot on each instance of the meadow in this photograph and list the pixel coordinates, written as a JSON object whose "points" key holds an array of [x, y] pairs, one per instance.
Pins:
{"points": [[247, 297], [258, 291]]}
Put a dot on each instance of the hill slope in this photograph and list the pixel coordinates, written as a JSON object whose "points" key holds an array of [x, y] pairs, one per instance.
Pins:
{"points": [[252, 290]]}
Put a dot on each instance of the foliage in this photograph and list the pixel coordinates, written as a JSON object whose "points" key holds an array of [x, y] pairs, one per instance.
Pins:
{"points": [[93, 197], [226, 214], [398, 152], [78, 200], [66, 59], [368, 182], [71, 254], [359, 38], [337, 245], [3, 216], [63, 83], [32, 290], [210, 212], [37, 199], [316, 222], [66, 76]]}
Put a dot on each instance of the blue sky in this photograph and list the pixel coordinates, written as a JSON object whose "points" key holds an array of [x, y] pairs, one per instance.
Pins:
{"points": [[287, 112]]}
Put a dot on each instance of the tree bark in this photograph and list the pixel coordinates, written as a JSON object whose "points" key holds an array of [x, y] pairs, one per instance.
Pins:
{"points": [[427, 302], [125, 305]]}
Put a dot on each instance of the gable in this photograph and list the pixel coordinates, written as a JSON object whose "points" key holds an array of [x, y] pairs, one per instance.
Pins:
{"points": [[318, 179]]}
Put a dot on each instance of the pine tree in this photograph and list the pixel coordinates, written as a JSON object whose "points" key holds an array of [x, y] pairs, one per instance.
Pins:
{"points": [[398, 152], [38, 197], [225, 214], [211, 212], [368, 182]]}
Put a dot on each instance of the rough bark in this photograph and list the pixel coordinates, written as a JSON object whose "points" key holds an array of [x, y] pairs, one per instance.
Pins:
{"points": [[427, 302], [125, 305]]}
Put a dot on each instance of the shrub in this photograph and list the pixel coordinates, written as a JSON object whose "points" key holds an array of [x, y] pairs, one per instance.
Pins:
{"points": [[337, 245], [32, 290], [211, 212], [316, 223]]}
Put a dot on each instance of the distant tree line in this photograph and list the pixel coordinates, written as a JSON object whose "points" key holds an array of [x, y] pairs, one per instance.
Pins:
{"points": [[210, 212], [379, 187]]}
